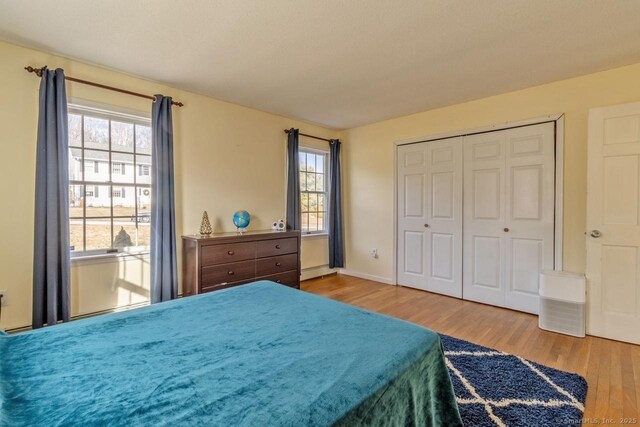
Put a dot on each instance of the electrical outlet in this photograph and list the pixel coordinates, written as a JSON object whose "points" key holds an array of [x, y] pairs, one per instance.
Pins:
{"points": [[5, 300], [374, 253]]}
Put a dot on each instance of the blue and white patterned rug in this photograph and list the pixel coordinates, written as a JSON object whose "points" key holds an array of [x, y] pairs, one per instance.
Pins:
{"points": [[499, 389]]}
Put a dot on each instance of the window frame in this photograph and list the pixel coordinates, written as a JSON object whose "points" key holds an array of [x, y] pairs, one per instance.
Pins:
{"points": [[111, 113], [325, 230]]}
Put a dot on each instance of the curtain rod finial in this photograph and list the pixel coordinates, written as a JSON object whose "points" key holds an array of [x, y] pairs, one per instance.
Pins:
{"points": [[37, 71]]}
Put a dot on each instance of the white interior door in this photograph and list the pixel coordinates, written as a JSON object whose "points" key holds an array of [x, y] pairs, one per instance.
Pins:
{"points": [[530, 211], [484, 218], [444, 217], [613, 236], [430, 216], [412, 215], [508, 215]]}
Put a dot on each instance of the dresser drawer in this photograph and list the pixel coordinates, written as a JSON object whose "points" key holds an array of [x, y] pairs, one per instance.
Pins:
{"points": [[277, 264], [277, 247], [290, 278], [225, 285], [227, 273], [230, 252]]}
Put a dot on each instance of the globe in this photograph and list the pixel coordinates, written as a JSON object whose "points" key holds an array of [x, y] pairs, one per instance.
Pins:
{"points": [[241, 219]]}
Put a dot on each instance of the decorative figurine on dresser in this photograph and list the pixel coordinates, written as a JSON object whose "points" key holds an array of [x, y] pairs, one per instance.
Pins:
{"points": [[222, 260]]}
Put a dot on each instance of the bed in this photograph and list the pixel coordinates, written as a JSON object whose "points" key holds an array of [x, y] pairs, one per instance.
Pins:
{"points": [[260, 354]]}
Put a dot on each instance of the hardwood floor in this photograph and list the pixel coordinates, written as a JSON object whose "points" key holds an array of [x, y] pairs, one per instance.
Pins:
{"points": [[612, 368]]}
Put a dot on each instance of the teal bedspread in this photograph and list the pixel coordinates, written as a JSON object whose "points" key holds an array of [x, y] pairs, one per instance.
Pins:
{"points": [[255, 355]]}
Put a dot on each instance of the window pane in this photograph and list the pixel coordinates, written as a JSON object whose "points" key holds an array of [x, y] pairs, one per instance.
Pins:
{"points": [[75, 164], [76, 234], [320, 163], [311, 181], [321, 207], [313, 202], [75, 130], [305, 222], [321, 221], [143, 169], [125, 235], [143, 139], [98, 201], [96, 166], [319, 182], [144, 204], [122, 136], [315, 162], [122, 168], [303, 161], [76, 200], [124, 202], [313, 222], [304, 202], [96, 133], [98, 234], [144, 234]]}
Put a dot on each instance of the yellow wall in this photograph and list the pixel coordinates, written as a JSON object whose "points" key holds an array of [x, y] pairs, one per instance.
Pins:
{"points": [[227, 157], [369, 158]]}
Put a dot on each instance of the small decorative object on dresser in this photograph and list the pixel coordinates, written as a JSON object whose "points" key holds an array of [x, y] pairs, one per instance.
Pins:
{"points": [[205, 225], [229, 259], [241, 220], [278, 225]]}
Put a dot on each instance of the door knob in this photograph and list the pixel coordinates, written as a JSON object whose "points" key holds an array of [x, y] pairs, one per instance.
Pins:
{"points": [[506, 230], [596, 233]]}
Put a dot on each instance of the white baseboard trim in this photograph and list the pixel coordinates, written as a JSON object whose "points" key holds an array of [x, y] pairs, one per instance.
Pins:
{"points": [[313, 272], [385, 280]]}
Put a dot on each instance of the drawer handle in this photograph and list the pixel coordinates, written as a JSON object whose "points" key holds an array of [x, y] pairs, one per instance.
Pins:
{"points": [[278, 264], [277, 246], [231, 252], [231, 273]]}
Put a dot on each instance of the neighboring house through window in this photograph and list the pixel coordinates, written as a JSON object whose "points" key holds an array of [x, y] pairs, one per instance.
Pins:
{"points": [[313, 190], [109, 204]]}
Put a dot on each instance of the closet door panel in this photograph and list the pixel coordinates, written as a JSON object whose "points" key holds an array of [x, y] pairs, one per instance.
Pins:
{"points": [[530, 168], [443, 227], [484, 217], [411, 191]]}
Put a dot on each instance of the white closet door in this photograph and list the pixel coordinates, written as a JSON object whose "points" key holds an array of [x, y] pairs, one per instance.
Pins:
{"points": [[484, 218], [412, 215], [508, 215], [430, 216], [444, 217], [613, 236], [530, 191]]}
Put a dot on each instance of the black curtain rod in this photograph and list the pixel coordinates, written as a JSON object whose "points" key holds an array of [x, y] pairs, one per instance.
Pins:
{"points": [[309, 136]]}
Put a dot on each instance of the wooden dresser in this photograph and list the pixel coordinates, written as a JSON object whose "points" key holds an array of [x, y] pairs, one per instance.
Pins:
{"points": [[230, 259]]}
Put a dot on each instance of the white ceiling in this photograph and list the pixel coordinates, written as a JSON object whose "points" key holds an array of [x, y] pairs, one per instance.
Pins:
{"points": [[337, 63]]}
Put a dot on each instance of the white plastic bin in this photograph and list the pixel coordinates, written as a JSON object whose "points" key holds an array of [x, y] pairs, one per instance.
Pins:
{"points": [[562, 302]]}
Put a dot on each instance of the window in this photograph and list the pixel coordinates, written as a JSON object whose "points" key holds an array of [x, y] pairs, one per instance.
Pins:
{"points": [[119, 168], [108, 208], [313, 190], [143, 170]]}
